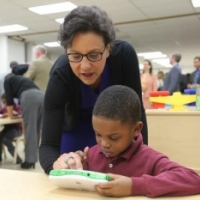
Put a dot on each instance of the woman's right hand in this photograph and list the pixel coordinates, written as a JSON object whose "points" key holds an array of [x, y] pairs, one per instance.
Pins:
{"points": [[72, 160]]}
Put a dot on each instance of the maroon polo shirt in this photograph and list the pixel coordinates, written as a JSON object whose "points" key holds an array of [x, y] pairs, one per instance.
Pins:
{"points": [[152, 173]]}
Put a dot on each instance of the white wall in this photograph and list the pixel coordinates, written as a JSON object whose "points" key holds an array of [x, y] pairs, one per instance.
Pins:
{"points": [[53, 56], [29, 51], [3, 54], [16, 51]]}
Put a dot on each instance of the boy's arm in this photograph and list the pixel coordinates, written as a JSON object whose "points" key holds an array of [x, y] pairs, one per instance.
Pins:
{"points": [[168, 179], [17, 109], [10, 111]]}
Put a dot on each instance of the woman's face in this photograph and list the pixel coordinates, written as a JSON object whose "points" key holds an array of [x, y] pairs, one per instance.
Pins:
{"points": [[87, 71], [146, 66]]}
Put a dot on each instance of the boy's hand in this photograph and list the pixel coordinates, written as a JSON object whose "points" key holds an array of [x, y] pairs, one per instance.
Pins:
{"points": [[120, 186]]}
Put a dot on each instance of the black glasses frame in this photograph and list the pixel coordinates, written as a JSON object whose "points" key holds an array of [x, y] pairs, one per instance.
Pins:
{"points": [[85, 55]]}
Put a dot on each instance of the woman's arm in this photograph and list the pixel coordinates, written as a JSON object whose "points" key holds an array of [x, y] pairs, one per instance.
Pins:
{"points": [[155, 83], [56, 97]]}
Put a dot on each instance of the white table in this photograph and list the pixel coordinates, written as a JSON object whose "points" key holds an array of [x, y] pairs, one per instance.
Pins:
{"points": [[7, 120], [20, 185]]}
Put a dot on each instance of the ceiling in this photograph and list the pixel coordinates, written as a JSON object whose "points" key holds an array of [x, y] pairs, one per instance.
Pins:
{"points": [[149, 25]]}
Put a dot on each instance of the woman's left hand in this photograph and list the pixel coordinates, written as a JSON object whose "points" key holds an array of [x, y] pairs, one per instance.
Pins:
{"points": [[72, 160], [120, 186]]}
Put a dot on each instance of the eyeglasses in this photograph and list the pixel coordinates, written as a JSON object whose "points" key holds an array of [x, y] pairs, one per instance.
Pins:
{"points": [[93, 56]]}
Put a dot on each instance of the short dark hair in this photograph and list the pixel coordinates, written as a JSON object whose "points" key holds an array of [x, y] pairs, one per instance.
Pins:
{"points": [[13, 64], [118, 103], [197, 57], [85, 19], [177, 57]]}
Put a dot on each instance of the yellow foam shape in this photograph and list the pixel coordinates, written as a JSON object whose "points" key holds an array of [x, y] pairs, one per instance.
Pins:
{"points": [[177, 100]]}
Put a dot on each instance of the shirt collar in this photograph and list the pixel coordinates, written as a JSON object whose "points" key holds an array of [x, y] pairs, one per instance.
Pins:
{"points": [[197, 70], [131, 150]]}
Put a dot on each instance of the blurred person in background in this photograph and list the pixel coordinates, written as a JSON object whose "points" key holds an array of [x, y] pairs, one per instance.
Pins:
{"points": [[18, 69], [149, 83], [195, 76], [31, 103], [160, 82], [173, 78], [39, 69]]}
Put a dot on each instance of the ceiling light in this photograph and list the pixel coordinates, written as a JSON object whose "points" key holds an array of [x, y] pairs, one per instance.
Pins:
{"points": [[155, 56], [53, 8], [152, 55], [52, 44], [196, 3], [12, 28], [155, 53], [162, 61], [60, 20]]}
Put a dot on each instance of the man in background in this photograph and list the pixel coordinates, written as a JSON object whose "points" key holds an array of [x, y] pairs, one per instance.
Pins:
{"points": [[173, 78], [195, 76], [39, 69]]}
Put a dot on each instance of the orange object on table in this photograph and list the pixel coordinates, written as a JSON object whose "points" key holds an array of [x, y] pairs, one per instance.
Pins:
{"points": [[158, 94]]}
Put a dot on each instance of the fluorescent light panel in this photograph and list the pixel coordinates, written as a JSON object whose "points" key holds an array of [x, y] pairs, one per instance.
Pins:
{"points": [[155, 56], [196, 3], [60, 20], [152, 55], [52, 44], [149, 53], [53, 8], [12, 28]]}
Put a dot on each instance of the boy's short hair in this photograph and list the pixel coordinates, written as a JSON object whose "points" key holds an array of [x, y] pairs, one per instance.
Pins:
{"points": [[118, 103]]}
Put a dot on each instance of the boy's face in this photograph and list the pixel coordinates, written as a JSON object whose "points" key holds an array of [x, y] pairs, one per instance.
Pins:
{"points": [[4, 101], [114, 137]]}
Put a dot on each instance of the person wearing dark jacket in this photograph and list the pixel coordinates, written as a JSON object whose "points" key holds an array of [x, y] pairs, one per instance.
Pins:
{"points": [[18, 69], [31, 103], [93, 61]]}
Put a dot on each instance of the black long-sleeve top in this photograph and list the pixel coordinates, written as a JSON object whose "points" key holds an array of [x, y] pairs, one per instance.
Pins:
{"points": [[63, 98], [15, 85]]}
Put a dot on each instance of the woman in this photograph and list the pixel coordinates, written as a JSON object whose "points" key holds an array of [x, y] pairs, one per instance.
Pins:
{"points": [[149, 83], [160, 82], [93, 61], [31, 103]]}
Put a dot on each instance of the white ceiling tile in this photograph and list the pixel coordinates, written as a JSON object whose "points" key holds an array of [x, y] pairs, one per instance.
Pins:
{"points": [[167, 10], [166, 35], [160, 3]]}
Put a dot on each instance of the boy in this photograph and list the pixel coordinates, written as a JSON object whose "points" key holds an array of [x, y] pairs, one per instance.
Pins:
{"points": [[9, 131], [120, 150]]}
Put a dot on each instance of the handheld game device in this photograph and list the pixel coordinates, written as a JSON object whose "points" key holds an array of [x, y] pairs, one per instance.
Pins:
{"points": [[77, 179]]}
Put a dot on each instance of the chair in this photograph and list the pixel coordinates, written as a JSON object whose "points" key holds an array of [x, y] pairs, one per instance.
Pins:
{"points": [[4, 151], [17, 140]]}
